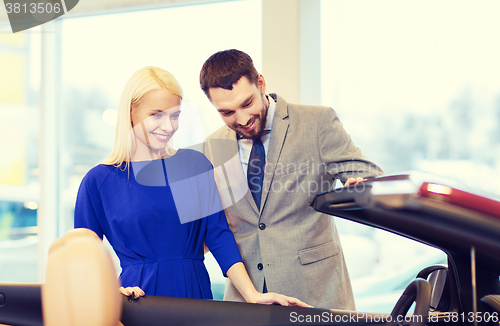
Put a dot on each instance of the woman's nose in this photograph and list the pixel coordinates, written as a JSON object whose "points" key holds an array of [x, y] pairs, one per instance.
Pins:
{"points": [[166, 124]]}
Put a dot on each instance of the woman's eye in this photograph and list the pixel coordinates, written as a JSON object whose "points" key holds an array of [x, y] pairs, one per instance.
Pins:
{"points": [[175, 116], [157, 115]]}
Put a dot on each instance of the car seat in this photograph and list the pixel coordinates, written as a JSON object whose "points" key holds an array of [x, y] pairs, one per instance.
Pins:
{"points": [[81, 286]]}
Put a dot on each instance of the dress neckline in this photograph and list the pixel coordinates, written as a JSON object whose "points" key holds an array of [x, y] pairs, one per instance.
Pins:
{"points": [[156, 159]]}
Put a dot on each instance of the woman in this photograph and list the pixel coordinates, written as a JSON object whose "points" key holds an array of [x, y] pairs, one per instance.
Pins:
{"points": [[157, 206]]}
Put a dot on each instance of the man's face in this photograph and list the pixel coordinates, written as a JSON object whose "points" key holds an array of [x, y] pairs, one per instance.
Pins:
{"points": [[244, 108]]}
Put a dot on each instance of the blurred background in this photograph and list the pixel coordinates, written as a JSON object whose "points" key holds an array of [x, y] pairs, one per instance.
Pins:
{"points": [[416, 85]]}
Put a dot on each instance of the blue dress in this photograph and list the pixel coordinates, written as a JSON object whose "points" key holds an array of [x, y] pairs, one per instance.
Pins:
{"points": [[157, 215]]}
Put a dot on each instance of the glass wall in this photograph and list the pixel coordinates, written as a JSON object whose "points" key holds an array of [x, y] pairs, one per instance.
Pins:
{"points": [[422, 80], [19, 173], [417, 85]]}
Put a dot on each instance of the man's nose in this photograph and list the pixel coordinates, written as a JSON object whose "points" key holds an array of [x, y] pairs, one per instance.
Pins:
{"points": [[242, 118]]}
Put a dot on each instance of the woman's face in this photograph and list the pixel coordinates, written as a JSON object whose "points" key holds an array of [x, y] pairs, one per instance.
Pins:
{"points": [[154, 119]]}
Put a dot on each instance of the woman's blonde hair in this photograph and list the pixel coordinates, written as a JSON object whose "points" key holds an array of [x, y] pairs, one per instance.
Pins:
{"points": [[140, 83]]}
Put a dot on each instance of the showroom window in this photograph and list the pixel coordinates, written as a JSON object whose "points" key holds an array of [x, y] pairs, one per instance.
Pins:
{"points": [[19, 172], [417, 85]]}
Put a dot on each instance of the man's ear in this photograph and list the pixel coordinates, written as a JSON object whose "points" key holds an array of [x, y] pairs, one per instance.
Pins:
{"points": [[261, 82]]}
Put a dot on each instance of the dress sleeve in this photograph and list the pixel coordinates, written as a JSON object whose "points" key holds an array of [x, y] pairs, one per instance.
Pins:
{"points": [[219, 238], [339, 154], [88, 205]]}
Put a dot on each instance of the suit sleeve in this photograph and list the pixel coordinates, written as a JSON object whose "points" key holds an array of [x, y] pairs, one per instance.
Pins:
{"points": [[337, 151], [88, 205]]}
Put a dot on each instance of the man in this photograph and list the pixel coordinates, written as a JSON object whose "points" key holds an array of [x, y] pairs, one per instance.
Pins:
{"points": [[270, 161]]}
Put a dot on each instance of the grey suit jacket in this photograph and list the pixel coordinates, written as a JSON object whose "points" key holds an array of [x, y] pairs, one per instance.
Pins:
{"points": [[296, 249]]}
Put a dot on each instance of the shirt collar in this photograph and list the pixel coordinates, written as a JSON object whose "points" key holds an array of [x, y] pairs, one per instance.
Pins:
{"points": [[270, 113]]}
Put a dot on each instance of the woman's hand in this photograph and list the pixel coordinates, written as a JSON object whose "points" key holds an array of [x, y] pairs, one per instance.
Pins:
{"points": [[138, 292], [271, 298]]}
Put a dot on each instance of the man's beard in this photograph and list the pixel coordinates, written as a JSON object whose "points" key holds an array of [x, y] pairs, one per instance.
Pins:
{"points": [[259, 128]]}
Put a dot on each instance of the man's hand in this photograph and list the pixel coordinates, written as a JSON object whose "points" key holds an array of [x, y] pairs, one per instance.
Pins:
{"points": [[352, 181], [272, 298]]}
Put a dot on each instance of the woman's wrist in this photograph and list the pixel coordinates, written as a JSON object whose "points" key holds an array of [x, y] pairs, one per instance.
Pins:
{"points": [[251, 295], [240, 279]]}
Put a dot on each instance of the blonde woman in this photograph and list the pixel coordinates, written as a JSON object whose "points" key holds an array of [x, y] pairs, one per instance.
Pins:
{"points": [[157, 206]]}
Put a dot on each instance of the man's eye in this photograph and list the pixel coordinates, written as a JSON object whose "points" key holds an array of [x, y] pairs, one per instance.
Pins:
{"points": [[246, 105], [227, 113]]}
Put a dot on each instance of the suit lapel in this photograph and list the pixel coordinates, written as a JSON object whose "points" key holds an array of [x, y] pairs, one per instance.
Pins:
{"points": [[279, 129]]}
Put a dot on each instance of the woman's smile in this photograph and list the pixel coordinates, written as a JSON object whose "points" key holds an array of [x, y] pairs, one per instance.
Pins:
{"points": [[161, 137]]}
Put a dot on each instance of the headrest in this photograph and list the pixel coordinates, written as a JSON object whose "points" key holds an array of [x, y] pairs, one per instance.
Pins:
{"points": [[81, 286]]}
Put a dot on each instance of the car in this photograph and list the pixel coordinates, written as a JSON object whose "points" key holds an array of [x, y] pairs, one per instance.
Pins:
{"points": [[463, 291], [462, 224]]}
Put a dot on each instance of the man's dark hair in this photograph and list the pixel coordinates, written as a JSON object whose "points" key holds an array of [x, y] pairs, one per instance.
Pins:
{"points": [[224, 69]]}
